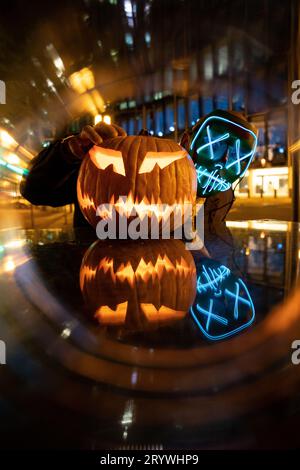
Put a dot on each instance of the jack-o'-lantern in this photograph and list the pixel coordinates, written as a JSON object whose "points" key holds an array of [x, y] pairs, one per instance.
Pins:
{"points": [[139, 177], [222, 146], [138, 284]]}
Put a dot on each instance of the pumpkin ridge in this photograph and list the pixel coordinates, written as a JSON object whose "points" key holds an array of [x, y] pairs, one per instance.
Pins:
{"points": [[140, 139], [159, 173]]}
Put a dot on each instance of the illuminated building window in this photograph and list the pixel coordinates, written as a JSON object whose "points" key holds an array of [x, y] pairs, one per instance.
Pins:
{"points": [[129, 39], [124, 125], [238, 56], [170, 124], [159, 122], [132, 104], [222, 101], [129, 10], [277, 135], [208, 66], [139, 124], [148, 38], [181, 115], [168, 78], [257, 94], [194, 71], [149, 120], [131, 129], [194, 111], [207, 103], [243, 187], [238, 97], [222, 60], [114, 54]]}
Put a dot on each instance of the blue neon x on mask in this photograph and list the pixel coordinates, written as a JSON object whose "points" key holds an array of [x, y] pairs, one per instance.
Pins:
{"points": [[223, 306]]}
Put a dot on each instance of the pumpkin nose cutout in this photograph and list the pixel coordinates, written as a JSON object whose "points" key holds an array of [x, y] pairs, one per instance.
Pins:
{"points": [[102, 158], [162, 159]]}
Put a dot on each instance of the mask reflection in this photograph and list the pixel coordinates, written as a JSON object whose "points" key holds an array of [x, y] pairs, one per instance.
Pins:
{"points": [[223, 305]]}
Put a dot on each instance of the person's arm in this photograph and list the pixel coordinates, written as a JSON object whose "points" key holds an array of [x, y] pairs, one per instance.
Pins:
{"points": [[53, 172], [52, 177], [217, 207]]}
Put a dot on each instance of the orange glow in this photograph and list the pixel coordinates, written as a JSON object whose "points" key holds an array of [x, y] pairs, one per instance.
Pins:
{"points": [[86, 274], [85, 201], [98, 100], [108, 316], [162, 314], [162, 159], [102, 158], [144, 270], [127, 206]]}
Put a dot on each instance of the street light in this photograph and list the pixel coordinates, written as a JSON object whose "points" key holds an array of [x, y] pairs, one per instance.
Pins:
{"points": [[6, 140]]}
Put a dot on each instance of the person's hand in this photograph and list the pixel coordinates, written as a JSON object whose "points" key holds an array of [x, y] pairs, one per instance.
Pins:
{"points": [[80, 144]]}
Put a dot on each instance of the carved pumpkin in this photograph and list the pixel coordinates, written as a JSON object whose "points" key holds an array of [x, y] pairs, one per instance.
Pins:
{"points": [[138, 284], [148, 171]]}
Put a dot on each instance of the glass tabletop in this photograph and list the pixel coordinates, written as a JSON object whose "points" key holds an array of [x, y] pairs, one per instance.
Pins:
{"points": [[122, 344]]}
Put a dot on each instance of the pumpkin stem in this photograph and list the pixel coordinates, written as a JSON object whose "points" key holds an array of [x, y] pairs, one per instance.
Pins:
{"points": [[144, 132]]}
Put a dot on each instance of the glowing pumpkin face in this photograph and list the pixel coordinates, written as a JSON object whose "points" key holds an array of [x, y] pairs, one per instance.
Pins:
{"points": [[222, 146], [149, 172], [138, 284]]}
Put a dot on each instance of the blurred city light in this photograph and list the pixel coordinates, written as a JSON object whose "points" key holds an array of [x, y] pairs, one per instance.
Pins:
{"points": [[6, 140], [97, 118], [83, 83], [13, 159], [107, 119]]}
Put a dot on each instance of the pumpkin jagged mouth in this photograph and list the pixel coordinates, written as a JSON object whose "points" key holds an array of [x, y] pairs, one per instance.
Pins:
{"points": [[129, 206], [144, 270], [109, 316]]}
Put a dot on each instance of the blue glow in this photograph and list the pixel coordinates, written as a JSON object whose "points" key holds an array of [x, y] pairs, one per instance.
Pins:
{"points": [[129, 39], [210, 278], [211, 143], [217, 148], [212, 181], [223, 306]]}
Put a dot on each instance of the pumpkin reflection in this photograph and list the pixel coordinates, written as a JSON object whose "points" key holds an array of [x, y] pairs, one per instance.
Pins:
{"points": [[138, 284]]}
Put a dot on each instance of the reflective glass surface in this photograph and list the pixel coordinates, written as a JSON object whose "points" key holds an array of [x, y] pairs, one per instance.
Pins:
{"points": [[119, 344]]}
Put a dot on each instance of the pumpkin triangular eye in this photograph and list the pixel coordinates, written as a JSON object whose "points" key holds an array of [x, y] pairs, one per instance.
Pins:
{"points": [[162, 159], [102, 158]]}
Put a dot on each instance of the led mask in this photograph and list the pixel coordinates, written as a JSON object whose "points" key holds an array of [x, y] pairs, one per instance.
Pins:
{"points": [[223, 305], [222, 146]]}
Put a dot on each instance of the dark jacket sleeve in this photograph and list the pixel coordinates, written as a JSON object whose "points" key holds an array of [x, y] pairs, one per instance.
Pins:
{"points": [[52, 177], [217, 207]]}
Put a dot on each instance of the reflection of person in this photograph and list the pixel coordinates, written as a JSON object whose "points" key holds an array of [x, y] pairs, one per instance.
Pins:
{"points": [[53, 174]]}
